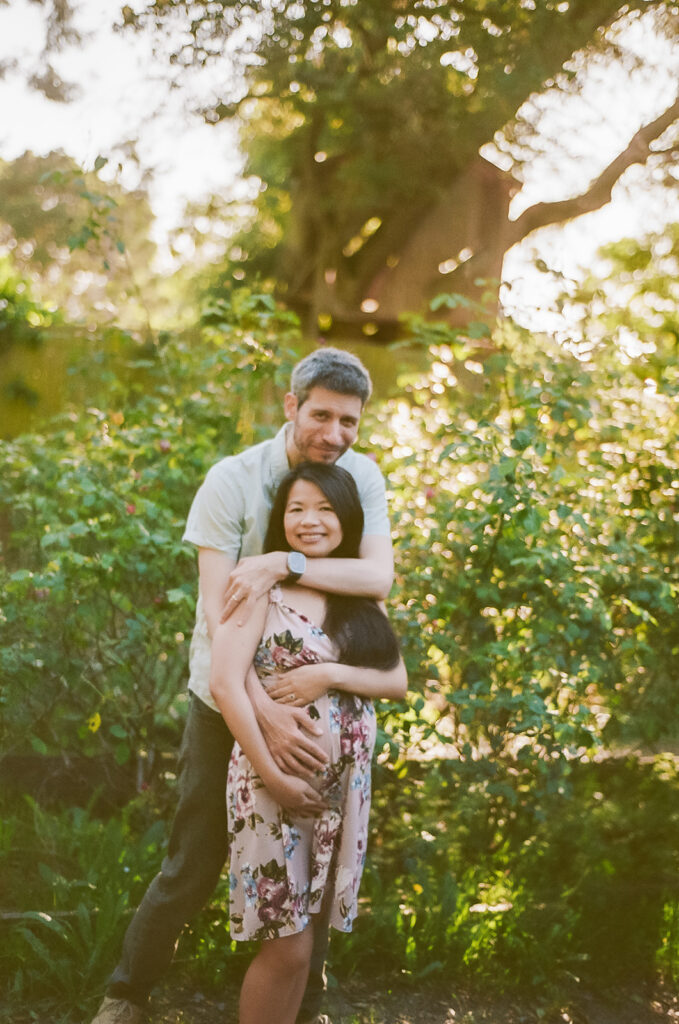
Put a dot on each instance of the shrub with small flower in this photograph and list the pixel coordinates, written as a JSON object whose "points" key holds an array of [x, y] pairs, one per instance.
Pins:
{"points": [[97, 588]]}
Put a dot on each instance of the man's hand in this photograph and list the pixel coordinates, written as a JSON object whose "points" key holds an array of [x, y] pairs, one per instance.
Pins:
{"points": [[250, 579], [296, 795], [300, 686], [288, 731]]}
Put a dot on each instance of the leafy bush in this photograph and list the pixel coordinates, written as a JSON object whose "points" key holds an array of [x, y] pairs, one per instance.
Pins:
{"points": [[97, 589], [23, 325], [515, 838], [537, 524], [573, 886], [71, 910], [537, 529], [22, 320]]}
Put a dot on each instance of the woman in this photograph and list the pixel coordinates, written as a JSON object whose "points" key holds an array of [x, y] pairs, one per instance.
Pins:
{"points": [[287, 868]]}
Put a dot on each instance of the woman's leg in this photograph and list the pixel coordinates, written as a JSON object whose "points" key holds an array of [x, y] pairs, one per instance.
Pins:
{"points": [[274, 982]]}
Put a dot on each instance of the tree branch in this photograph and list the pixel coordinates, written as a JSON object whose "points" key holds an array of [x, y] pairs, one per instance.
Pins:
{"points": [[599, 192]]}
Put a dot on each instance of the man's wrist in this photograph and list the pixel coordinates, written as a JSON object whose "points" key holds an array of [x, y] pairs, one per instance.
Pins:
{"points": [[258, 696], [295, 563], [281, 566], [260, 705]]}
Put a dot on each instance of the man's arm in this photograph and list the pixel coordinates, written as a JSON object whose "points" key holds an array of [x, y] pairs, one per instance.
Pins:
{"points": [[371, 575], [214, 568]]}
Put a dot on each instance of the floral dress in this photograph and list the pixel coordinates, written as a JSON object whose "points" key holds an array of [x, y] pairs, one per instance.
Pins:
{"points": [[284, 868]]}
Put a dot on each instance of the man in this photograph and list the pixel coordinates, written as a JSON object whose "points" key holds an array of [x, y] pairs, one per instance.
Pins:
{"points": [[227, 522]]}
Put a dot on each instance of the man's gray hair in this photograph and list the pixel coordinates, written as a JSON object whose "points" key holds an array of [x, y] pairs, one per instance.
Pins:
{"points": [[334, 369]]}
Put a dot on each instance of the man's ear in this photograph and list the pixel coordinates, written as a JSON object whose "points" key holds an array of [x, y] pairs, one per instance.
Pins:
{"points": [[290, 406]]}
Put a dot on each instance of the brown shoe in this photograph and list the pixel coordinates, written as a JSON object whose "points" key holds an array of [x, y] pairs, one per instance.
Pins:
{"points": [[119, 1011]]}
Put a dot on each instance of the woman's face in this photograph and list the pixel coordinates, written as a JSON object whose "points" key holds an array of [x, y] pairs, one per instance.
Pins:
{"points": [[310, 522]]}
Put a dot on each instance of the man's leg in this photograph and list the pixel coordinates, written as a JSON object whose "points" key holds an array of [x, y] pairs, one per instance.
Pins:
{"points": [[196, 855]]}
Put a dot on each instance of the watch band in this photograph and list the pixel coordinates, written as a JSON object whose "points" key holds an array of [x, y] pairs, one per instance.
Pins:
{"points": [[296, 566]]}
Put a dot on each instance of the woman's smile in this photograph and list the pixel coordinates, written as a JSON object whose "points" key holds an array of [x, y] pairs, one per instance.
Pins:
{"points": [[310, 522]]}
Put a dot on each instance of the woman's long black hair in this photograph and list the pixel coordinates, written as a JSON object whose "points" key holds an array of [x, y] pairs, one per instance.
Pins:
{"points": [[356, 624]]}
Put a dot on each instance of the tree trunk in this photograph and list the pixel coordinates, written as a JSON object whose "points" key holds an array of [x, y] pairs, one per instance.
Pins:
{"points": [[456, 246]]}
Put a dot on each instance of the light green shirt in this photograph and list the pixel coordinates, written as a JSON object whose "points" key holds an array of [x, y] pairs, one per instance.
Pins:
{"points": [[230, 513]]}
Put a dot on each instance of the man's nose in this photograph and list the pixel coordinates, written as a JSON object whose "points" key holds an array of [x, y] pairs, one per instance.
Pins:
{"points": [[333, 433]]}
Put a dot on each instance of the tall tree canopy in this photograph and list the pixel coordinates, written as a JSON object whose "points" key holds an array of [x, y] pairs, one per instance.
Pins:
{"points": [[364, 122], [84, 243]]}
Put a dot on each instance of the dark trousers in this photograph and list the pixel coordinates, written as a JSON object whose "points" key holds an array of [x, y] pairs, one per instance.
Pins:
{"points": [[196, 855], [190, 871]]}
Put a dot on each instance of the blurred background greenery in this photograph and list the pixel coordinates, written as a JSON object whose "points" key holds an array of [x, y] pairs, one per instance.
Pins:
{"points": [[526, 821]]}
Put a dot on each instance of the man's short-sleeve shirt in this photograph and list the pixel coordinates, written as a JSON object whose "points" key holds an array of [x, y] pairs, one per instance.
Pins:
{"points": [[230, 513]]}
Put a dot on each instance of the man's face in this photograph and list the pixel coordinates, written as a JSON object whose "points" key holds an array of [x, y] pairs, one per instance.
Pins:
{"points": [[323, 427]]}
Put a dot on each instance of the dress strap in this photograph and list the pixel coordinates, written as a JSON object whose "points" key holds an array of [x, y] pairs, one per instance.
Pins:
{"points": [[275, 594]]}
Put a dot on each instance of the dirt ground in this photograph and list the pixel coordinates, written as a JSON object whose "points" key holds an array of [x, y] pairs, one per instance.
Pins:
{"points": [[363, 1003], [377, 1002]]}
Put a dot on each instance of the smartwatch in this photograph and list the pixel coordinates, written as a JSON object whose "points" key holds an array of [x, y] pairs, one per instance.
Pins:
{"points": [[296, 566]]}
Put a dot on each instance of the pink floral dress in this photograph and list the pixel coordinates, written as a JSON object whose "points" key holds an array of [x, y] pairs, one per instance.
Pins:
{"points": [[283, 868]]}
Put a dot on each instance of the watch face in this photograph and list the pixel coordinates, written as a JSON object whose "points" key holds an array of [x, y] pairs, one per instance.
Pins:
{"points": [[296, 562]]}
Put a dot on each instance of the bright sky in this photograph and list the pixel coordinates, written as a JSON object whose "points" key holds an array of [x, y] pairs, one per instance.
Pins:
{"points": [[122, 96], [595, 126], [125, 94]]}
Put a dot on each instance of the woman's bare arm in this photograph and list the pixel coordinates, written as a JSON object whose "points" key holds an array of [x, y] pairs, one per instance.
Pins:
{"points": [[233, 649], [308, 682]]}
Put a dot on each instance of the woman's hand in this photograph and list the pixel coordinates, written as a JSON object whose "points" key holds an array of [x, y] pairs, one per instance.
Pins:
{"points": [[300, 686], [295, 795]]}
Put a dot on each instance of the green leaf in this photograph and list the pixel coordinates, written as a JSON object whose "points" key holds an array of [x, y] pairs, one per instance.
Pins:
{"points": [[452, 301], [521, 440], [20, 575], [477, 329], [122, 754]]}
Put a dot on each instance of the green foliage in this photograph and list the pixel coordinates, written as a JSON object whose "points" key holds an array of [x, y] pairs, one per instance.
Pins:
{"points": [[546, 508], [93, 516], [566, 884], [353, 113], [83, 242], [74, 906], [518, 835], [634, 302], [22, 320], [537, 530], [23, 328]]}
